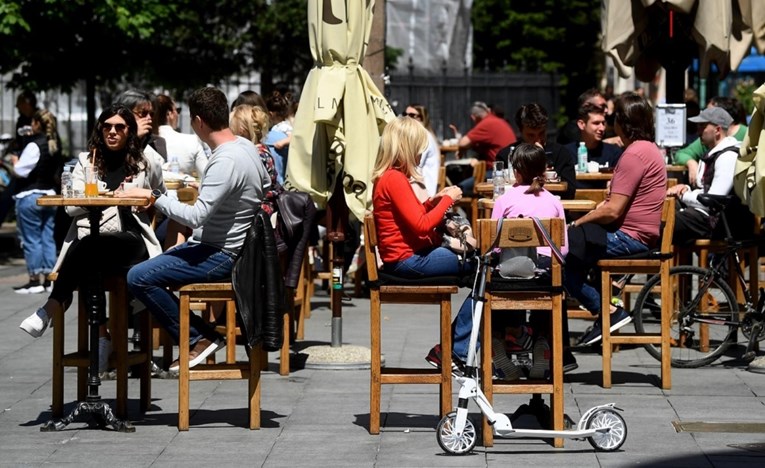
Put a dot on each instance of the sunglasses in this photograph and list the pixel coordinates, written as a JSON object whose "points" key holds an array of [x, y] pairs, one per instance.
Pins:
{"points": [[119, 128], [143, 113], [413, 115]]}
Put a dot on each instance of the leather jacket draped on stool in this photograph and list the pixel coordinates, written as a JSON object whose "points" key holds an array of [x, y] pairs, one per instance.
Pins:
{"points": [[259, 287]]}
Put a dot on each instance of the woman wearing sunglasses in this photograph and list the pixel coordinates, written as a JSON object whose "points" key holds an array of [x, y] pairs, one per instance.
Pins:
{"points": [[115, 154]]}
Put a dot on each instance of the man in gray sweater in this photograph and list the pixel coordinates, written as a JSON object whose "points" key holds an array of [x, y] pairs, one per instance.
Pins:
{"points": [[230, 193]]}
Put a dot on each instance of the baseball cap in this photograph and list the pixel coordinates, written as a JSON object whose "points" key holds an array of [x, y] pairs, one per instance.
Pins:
{"points": [[713, 115]]}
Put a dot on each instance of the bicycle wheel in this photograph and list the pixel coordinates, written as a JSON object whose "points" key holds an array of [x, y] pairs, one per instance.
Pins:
{"points": [[693, 343]]}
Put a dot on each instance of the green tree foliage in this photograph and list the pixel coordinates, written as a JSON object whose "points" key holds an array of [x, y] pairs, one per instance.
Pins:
{"points": [[556, 36], [174, 44]]}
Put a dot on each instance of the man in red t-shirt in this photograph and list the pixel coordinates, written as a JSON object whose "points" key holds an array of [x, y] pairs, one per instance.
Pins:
{"points": [[489, 135], [628, 221]]}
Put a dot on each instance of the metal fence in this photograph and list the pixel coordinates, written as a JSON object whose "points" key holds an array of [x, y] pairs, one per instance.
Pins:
{"points": [[448, 97]]}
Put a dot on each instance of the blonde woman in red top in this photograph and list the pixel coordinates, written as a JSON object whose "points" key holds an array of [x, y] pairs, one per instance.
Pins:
{"points": [[409, 231]]}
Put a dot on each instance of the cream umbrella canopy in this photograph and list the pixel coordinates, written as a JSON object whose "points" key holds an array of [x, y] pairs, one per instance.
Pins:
{"points": [[647, 34], [341, 112]]}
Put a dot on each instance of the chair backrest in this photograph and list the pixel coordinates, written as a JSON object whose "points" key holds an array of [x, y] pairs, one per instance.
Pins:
{"points": [[370, 246], [441, 178], [596, 195], [522, 232], [667, 225], [479, 172]]}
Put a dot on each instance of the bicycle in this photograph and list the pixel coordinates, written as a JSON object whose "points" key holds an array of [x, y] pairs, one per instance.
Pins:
{"points": [[705, 315]]}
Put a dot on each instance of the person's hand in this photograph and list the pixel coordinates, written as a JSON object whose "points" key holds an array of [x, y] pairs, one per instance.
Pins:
{"points": [[456, 132], [677, 191], [144, 126], [615, 140], [453, 191], [135, 193], [693, 171], [473, 162]]}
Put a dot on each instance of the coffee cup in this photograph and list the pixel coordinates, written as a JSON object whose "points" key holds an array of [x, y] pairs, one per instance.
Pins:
{"points": [[551, 175], [593, 167]]}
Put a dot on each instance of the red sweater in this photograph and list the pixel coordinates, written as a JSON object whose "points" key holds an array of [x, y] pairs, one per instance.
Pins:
{"points": [[404, 225]]}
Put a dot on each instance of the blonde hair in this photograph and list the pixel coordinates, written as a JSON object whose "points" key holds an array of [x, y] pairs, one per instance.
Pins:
{"points": [[250, 122], [49, 126], [402, 141]]}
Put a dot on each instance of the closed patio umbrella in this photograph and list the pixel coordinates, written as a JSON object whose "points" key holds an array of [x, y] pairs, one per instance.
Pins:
{"points": [[337, 127], [341, 112]]}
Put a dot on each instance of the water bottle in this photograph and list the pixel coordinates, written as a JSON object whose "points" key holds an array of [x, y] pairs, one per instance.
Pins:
{"points": [[499, 183], [66, 182], [174, 167], [581, 158]]}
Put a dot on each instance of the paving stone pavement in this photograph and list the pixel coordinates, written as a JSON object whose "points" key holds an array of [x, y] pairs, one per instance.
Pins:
{"points": [[319, 418]]}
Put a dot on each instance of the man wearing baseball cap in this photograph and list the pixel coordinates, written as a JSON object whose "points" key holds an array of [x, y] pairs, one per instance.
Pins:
{"points": [[714, 176]]}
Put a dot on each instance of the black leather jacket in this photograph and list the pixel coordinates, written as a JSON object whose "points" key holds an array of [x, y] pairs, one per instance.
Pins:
{"points": [[296, 217], [259, 287]]}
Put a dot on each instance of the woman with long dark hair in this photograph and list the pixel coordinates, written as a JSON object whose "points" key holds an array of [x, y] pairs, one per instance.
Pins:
{"points": [[115, 153]]}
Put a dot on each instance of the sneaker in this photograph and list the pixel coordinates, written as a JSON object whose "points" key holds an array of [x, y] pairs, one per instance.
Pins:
{"points": [[201, 350], [104, 351], [48, 285], [434, 359], [502, 366], [569, 361], [520, 344], [540, 369], [619, 318], [33, 287], [36, 323]]}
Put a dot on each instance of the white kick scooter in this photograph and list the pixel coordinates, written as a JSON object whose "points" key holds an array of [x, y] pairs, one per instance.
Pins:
{"points": [[601, 425]]}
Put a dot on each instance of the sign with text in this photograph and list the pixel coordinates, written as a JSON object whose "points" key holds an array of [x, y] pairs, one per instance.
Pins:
{"points": [[670, 125]]}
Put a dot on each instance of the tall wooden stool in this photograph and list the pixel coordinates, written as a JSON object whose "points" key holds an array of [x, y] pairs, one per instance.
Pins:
{"points": [[535, 294], [388, 289]]}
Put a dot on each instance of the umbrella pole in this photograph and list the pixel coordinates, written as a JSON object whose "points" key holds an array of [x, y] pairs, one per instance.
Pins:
{"points": [[337, 220]]}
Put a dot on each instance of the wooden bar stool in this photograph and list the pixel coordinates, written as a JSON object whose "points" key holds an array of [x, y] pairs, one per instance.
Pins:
{"points": [[471, 202], [656, 261], [121, 358], [392, 290], [535, 294], [206, 293]]}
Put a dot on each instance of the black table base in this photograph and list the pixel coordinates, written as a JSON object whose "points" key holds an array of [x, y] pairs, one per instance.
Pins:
{"points": [[96, 412]]}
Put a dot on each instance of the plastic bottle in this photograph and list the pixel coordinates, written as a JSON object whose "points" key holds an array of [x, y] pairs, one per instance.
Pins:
{"points": [[66, 182], [499, 184], [581, 158], [174, 167]]}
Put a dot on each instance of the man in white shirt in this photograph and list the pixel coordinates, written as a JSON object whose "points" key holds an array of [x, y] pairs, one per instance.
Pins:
{"points": [[714, 176], [187, 148]]}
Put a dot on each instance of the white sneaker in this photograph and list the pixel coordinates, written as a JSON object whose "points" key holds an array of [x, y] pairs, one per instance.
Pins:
{"points": [[36, 323], [104, 351]]}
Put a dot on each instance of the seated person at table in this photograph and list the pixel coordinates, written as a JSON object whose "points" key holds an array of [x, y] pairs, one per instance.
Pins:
{"points": [[532, 121], [592, 127], [715, 176], [409, 231], [430, 162], [691, 154], [115, 151], [230, 194], [489, 135], [628, 221], [527, 198]]}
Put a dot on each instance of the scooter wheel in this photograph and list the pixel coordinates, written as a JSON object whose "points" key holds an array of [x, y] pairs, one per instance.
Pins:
{"points": [[614, 436], [451, 442]]}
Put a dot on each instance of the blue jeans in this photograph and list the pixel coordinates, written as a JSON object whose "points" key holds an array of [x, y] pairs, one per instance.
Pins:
{"points": [[439, 261], [35, 225], [618, 244], [181, 265]]}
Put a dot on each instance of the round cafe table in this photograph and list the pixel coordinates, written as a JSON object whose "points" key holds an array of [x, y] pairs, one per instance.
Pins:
{"points": [[93, 409]]}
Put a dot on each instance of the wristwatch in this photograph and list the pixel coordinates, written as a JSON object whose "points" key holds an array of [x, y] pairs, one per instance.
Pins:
{"points": [[572, 224], [154, 195]]}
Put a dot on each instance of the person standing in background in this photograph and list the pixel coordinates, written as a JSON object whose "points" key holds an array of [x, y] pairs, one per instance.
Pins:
{"points": [[36, 171]]}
